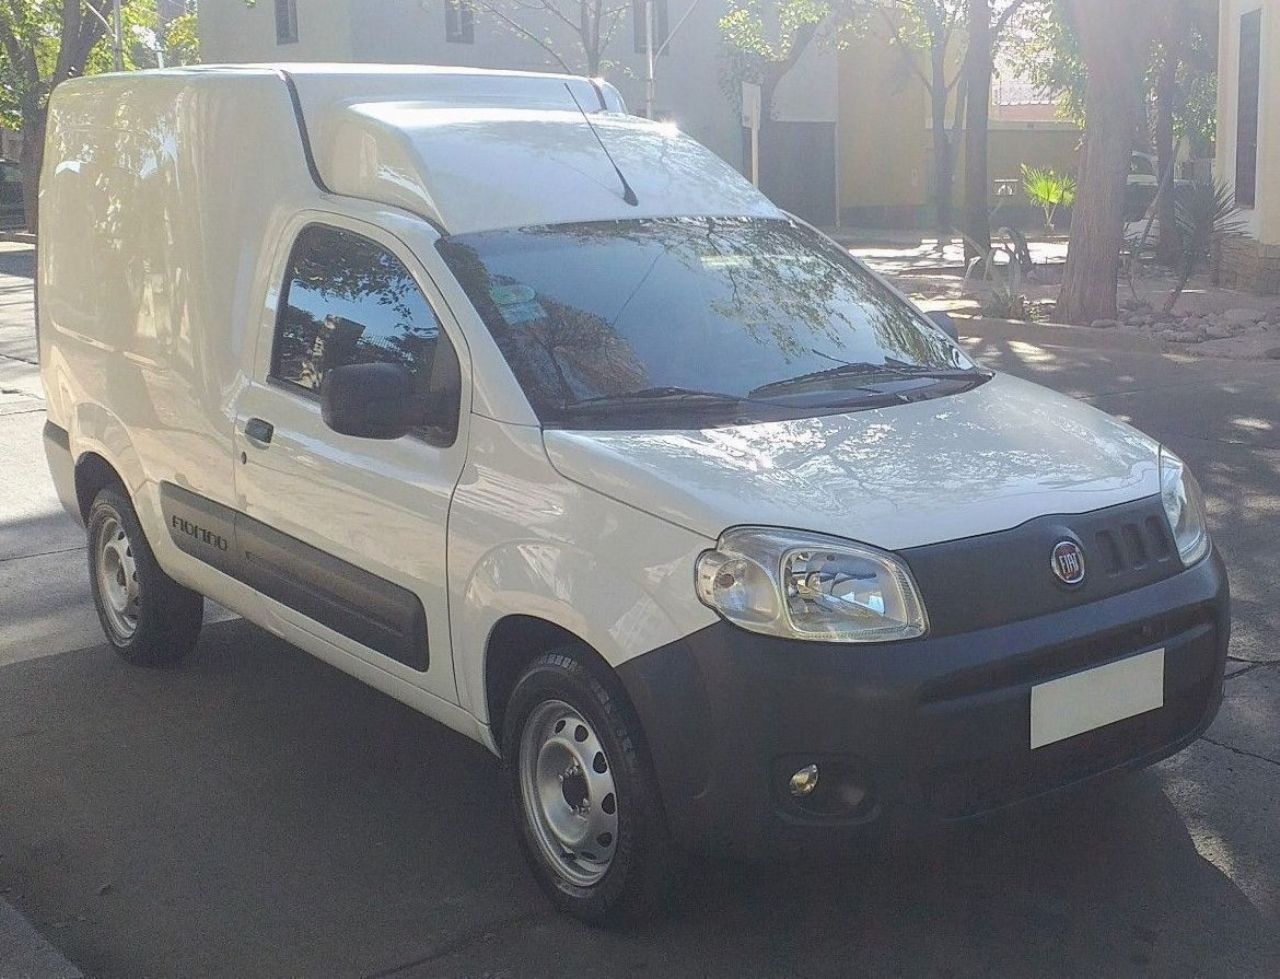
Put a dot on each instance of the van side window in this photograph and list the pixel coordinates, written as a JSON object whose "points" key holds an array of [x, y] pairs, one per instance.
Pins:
{"points": [[347, 300]]}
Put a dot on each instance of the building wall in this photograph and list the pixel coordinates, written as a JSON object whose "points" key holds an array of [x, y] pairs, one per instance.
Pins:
{"points": [[689, 88], [1253, 262], [886, 143], [1263, 220]]}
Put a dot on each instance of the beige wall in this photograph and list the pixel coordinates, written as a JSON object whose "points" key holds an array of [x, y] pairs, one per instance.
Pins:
{"points": [[1263, 220], [689, 89], [886, 144], [233, 31]]}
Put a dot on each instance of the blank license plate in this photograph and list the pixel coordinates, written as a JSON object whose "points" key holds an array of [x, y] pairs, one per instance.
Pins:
{"points": [[1071, 705]]}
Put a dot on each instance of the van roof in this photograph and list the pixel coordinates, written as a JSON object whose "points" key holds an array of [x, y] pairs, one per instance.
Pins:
{"points": [[474, 150]]}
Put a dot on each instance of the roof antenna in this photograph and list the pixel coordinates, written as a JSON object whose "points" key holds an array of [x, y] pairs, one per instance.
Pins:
{"points": [[628, 194]]}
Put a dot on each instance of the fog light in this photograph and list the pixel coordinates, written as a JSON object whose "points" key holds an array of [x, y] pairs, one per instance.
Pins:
{"points": [[804, 781]]}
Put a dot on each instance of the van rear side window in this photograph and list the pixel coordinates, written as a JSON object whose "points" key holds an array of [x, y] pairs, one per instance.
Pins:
{"points": [[347, 300]]}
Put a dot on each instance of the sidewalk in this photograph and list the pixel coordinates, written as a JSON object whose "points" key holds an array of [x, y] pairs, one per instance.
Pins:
{"points": [[42, 575], [25, 955]]}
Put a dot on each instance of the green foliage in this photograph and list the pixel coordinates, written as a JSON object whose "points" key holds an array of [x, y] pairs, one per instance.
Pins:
{"points": [[1205, 212], [743, 27], [757, 35], [1048, 189], [1045, 49], [1196, 116], [1005, 303], [34, 30], [181, 41]]}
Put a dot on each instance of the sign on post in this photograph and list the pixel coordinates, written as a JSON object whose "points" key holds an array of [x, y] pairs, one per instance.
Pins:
{"points": [[751, 110]]}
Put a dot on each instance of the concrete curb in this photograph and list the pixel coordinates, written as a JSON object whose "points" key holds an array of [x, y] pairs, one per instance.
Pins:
{"points": [[1061, 335], [25, 955], [21, 237], [1058, 334]]}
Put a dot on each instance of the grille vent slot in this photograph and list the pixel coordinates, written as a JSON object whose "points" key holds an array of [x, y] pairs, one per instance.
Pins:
{"points": [[1132, 546]]}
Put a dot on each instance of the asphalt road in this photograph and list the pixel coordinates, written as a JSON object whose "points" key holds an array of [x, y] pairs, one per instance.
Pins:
{"points": [[256, 813]]}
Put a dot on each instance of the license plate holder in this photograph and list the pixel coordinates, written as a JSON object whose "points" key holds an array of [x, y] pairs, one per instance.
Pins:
{"points": [[1096, 697]]}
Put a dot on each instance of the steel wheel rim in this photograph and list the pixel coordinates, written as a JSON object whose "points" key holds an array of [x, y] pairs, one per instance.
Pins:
{"points": [[117, 575], [568, 793]]}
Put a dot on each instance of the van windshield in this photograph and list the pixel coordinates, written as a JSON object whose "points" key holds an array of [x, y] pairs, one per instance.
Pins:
{"points": [[697, 322]]}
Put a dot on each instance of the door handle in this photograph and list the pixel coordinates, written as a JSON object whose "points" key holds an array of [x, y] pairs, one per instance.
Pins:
{"points": [[259, 432]]}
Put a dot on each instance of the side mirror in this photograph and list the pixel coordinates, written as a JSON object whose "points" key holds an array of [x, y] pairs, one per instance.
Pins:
{"points": [[945, 323], [370, 401]]}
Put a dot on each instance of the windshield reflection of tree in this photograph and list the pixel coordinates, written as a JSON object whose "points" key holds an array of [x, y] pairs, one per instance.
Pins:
{"points": [[332, 266], [572, 352], [770, 281]]}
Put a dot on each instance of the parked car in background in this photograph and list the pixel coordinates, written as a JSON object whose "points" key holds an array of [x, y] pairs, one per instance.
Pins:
{"points": [[1144, 184], [12, 214]]}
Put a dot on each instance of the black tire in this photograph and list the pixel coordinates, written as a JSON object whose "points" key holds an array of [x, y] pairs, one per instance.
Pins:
{"points": [[637, 883], [165, 616]]}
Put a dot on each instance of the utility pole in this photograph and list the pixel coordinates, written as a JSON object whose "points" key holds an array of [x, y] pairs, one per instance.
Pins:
{"points": [[651, 55], [115, 28], [650, 85], [117, 35]]}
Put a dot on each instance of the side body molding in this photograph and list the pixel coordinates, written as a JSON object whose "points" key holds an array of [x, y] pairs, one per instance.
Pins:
{"points": [[347, 599]]}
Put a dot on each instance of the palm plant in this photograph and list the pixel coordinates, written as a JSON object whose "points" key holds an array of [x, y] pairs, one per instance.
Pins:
{"points": [[1049, 190], [1205, 212]]}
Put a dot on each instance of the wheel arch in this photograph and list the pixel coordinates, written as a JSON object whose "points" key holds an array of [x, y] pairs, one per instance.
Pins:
{"points": [[93, 473], [514, 642]]}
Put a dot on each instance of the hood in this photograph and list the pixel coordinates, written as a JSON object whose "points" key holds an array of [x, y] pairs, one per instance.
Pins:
{"points": [[903, 476]]}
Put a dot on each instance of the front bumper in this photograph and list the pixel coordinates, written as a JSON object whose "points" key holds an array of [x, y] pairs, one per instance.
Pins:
{"points": [[935, 729]]}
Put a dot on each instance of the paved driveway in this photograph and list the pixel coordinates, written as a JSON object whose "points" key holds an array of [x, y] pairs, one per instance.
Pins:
{"points": [[256, 813]]}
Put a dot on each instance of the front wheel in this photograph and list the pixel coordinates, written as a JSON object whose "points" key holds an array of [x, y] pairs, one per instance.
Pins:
{"points": [[587, 808], [148, 618]]}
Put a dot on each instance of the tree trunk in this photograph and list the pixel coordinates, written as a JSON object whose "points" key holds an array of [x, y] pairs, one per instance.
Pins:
{"points": [[34, 118], [943, 162], [774, 73], [1113, 40], [978, 70], [1169, 246]]}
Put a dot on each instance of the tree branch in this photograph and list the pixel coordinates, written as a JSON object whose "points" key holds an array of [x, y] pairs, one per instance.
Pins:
{"points": [[519, 29], [897, 40]]}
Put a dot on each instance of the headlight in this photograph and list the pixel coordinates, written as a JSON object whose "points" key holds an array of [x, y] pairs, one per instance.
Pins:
{"points": [[806, 586], [1184, 506]]}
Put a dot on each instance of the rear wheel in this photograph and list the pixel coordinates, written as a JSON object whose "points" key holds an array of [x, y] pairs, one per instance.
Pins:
{"points": [[586, 803], [148, 618]]}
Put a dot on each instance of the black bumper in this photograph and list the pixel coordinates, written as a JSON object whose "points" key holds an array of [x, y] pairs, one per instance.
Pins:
{"points": [[936, 729]]}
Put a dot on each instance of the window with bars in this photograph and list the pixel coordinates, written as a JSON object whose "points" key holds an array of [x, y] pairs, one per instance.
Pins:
{"points": [[286, 21], [661, 26], [459, 22], [1247, 109]]}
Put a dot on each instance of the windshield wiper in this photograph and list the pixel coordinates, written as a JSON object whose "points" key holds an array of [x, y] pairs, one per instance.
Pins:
{"points": [[656, 397], [868, 370], [941, 373], [831, 373]]}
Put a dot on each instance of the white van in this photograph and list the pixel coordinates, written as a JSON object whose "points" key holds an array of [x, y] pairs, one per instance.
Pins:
{"points": [[539, 418]]}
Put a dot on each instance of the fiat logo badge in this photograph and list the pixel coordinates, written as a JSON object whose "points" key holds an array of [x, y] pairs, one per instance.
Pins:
{"points": [[1067, 561]]}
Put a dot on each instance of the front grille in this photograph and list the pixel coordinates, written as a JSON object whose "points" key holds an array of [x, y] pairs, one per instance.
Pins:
{"points": [[1133, 545], [995, 579]]}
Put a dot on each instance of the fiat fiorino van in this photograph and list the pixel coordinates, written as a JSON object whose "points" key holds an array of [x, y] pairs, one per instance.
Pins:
{"points": [[539, 418]]}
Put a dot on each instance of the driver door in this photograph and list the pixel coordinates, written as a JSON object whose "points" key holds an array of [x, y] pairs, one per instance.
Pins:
{"points": [[346, 536]]}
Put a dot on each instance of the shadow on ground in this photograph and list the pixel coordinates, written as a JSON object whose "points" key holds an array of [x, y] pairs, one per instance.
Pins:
{"points": [[257, 813], [18, 261]]}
